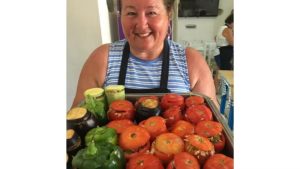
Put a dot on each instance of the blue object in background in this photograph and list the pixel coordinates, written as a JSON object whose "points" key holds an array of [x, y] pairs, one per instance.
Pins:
{"points": [[230, 118], [224, 95], [218, 60], [226, 101]]}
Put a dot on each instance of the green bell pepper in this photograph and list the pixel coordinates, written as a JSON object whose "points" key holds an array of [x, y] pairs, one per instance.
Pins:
{"points": [[101, 135], [99, 156]]}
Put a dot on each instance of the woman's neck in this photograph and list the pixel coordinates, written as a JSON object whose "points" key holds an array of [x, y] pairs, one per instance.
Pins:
{"points": [[146, 54]]}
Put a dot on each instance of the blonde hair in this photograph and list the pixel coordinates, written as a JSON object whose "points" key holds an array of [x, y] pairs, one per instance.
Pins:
{"points": [[169, 4]]}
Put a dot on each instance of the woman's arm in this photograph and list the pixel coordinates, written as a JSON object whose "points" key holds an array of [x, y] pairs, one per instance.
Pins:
{"points": [[93, 72], [201, 78]]}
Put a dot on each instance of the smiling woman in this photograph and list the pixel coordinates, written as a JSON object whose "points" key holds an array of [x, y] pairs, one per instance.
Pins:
{"points": [[146, 61], [145, 26]]}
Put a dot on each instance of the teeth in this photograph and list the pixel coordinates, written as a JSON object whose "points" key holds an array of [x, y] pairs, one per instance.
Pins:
{"points": [[143, 34]]}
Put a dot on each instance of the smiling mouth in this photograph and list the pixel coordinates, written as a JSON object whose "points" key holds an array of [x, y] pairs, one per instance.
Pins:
{"points": [[143, 35]]}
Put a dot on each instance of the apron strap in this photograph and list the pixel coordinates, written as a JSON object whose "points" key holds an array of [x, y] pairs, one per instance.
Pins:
{"points": [[164, 77], [124, 63], [164, 71]]}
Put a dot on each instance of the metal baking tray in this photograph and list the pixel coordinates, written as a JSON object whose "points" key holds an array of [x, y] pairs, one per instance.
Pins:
{"points": [[228, 150]]}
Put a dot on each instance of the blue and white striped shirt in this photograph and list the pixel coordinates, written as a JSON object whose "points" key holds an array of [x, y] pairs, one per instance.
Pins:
{"points": [[143, 74]]}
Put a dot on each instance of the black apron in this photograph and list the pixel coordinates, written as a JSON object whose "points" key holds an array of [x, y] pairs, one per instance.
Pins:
{"points": [[164, 71], [226, 57]]}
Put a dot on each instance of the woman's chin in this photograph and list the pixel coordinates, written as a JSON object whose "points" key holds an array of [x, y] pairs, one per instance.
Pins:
{"points": [[148, 39], [143, 46]]}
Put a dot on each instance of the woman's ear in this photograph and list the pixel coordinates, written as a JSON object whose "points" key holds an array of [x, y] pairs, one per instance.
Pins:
{"points": [[170, 15]]}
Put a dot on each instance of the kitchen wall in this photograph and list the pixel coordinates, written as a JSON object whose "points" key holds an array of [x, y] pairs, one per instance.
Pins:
{"points": [[83, 36], [206, 27]]}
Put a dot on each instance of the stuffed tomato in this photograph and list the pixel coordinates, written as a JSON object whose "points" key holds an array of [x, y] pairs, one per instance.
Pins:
{"points": [[219, 161], [144, 161], [172, 115], [184, 160], [197, 113], [155, 125], [199, 146], [193, 100], [166, 146], [183, 128], [213, 131], [120, 125], [171, 99], [121, 109], [134, 140]]}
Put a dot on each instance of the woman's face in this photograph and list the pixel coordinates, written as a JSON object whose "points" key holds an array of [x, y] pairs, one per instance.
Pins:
{"points": [[231, 25], [145, 23]]}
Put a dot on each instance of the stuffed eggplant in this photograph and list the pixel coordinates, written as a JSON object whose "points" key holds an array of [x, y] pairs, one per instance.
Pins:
{"points": [[146, 107], [81, 121]]}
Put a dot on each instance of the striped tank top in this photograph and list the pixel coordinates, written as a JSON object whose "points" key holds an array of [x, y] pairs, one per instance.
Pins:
{"points": [[143, 74]]}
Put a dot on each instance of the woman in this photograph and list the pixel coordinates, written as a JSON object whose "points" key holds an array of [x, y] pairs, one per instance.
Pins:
{"points": [[224, 41], [146, 61]]}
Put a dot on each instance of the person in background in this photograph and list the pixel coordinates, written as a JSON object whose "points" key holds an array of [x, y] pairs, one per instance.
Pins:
{"points": [[224, 41], [146, 61]]}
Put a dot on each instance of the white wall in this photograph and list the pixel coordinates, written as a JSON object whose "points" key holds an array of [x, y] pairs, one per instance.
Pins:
{"points": [[83, 36], [206, 27], [227, 6]]}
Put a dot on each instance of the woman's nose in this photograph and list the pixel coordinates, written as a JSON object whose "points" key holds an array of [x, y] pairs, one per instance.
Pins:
{"points": [[142, 22]]}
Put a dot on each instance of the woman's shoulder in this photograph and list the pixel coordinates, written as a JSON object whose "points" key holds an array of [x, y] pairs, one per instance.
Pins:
{"points": [[193, 55], [198, 69], [195, 60], [100, 52]]}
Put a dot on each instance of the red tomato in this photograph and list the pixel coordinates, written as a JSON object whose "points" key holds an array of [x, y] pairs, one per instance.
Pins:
{"points": [[164, 158], [172, 115], [199, 146], [120, 125], [182, 128], [130, 154], [219, 146], [219, 161], [184, 160], [121, 109], [172, 99], [155, 125], [166, 145], [197, 113], [133, 137], [208, 128], [134, 140], [213, 131], [194, 100], [144, 161]]}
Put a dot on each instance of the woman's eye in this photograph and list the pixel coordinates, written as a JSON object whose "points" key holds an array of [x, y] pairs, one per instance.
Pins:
{"points": [[152, 13], [131, 13]]}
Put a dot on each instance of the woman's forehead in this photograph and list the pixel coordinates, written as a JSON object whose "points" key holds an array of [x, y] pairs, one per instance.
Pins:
{"points": [[142, 3]]}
